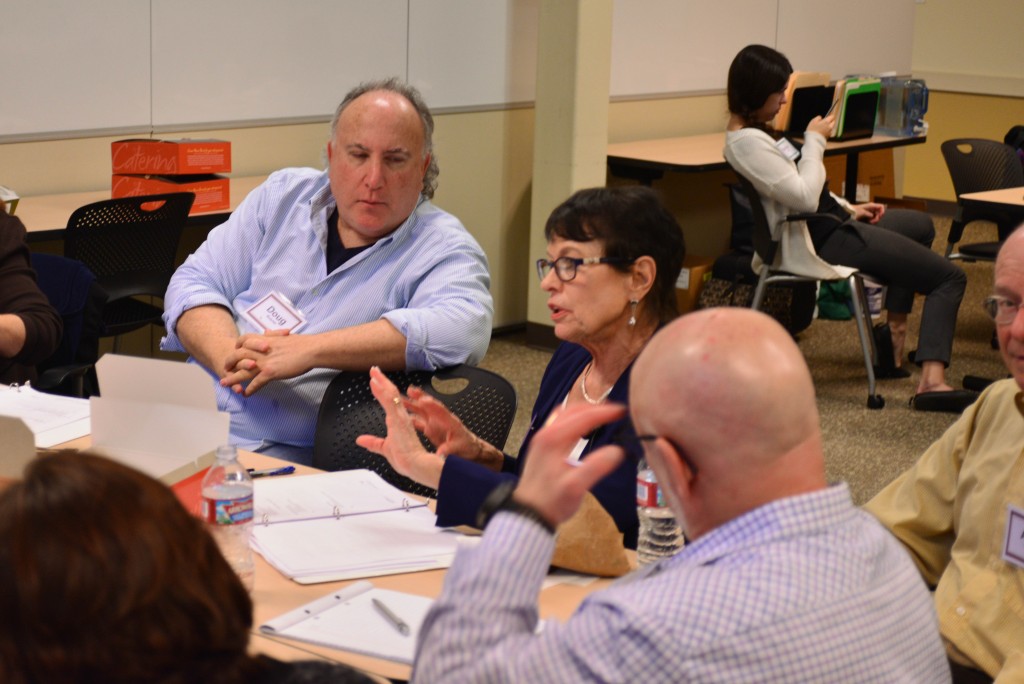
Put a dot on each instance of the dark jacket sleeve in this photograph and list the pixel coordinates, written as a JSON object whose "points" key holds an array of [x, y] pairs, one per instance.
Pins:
{"points": [[465, 485], [20, 294]]}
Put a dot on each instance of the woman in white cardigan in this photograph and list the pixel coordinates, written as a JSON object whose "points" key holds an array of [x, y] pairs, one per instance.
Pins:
{"points": [[893, 247]]}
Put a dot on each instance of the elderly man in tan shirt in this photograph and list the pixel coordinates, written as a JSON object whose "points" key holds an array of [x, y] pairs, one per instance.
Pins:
{"points": [[960, 509]]}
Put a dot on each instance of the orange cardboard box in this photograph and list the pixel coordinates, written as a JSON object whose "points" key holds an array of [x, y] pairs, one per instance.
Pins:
{"points": [[212, 192], [170, 157]]}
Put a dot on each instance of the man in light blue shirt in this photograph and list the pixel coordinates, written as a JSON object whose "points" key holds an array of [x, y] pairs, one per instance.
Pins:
{"points": [[783, 578], [374, 273]]}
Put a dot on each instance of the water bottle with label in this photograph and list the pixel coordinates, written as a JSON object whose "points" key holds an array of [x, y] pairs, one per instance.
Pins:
{"points": [[227, 508], [660, 534]]}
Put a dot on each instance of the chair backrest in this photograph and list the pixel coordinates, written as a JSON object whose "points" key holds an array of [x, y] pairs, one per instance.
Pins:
{"points": [[976, 165], [73, 292], [129, 243], [486, 405], [764, 244]]}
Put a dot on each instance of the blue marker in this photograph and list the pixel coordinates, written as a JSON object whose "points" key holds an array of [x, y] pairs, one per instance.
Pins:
{"points": [[271, 472]]}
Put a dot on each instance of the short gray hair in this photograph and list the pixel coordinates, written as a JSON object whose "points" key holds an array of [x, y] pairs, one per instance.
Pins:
{"points": [[395, 85]]}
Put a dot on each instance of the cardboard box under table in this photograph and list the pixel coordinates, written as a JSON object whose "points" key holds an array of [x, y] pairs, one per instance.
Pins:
{"points": [[695, 272]]}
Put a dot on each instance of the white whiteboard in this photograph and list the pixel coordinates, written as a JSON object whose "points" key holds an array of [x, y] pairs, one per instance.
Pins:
{"points": [[259, 60], [71, 65], [675, 46], [668, 46], [844, 38], [473, 53], [75, 67]]}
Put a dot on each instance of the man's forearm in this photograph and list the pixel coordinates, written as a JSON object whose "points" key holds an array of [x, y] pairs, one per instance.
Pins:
{"points": [[361, 346], [208, 333]]}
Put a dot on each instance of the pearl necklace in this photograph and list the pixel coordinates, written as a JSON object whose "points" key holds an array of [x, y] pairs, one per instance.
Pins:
{"points": [[583, 386]]}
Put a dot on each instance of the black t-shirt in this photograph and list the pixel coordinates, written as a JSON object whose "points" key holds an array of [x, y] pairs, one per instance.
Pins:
{"points": [[337, 253]]}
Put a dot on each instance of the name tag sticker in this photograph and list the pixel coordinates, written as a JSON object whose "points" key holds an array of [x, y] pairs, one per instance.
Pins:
{"points": [[787, 149], [1013, 549], [274, 312]]}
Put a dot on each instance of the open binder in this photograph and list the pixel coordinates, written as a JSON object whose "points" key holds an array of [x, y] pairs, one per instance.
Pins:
{"points": [[345, 525], [347, 620]]}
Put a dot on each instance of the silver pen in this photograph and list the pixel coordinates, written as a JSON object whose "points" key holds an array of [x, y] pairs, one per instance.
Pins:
{"points": [[396, 622]]}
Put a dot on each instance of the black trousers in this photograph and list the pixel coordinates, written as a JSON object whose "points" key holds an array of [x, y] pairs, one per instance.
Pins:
{"points": [[897, 253]]}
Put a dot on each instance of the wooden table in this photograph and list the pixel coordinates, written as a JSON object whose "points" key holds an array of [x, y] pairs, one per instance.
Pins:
{"points": [[1007, 198], [274, 594], [648, 160], [46, 216]]}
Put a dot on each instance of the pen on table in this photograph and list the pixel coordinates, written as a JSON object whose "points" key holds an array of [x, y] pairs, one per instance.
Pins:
{"points": [[270, 472], [396, 622]]}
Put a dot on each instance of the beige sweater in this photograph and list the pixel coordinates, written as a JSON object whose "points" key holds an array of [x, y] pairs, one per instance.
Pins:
{"points": [[786, 188]]}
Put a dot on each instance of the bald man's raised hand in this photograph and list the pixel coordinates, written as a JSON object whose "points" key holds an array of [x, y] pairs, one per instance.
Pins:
{"points": [[550, 483]]}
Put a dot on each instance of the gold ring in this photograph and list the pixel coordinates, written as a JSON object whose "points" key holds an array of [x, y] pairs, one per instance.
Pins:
{"points": [[398, 402]]}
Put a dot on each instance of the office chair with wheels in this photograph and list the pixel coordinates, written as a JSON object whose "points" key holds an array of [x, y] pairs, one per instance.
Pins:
{"points": [[977, 165], [73, 292], [130, 244], [767, 247], [486, 405]]}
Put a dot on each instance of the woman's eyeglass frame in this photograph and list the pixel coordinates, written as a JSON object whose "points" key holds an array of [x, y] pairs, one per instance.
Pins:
{"points": [[565, 267]]}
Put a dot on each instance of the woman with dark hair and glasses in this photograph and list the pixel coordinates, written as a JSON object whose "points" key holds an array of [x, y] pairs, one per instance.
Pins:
{"points": [[107, 578], [610, 272], [892, 246]]}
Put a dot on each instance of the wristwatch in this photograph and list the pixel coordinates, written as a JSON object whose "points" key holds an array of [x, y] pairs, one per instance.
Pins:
{"points": [[500, 499]]}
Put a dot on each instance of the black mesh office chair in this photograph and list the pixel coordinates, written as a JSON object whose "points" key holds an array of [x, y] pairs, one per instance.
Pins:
{"points": [[977, 165], [130, 244], [73, 292], [767, 247], [484, 401]]}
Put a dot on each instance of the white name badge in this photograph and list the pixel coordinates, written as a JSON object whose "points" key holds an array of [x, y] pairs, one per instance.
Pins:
{"points": [[274, 312], [1013, 548], [787, 149]]}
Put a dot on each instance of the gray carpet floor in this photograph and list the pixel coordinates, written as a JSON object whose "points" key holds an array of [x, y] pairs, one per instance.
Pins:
{"points": [[865, 448]]}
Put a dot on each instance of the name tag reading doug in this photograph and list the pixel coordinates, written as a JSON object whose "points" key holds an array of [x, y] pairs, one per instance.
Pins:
{"points": [[1013, 549], [274, 312]]}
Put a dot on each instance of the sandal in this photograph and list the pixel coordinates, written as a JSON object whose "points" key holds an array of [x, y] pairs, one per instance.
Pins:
{"points": [[950, 401]]}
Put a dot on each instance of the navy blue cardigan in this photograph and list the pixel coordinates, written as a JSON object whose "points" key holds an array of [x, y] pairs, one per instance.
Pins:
{"points": [[464, 485]]}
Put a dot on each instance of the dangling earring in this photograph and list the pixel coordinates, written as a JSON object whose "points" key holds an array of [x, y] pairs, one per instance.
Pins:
{"points": [[632, 313]]}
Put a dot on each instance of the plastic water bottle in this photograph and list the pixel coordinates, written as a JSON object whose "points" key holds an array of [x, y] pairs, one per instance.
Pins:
{"points": [[660, 535], [227, 508]]}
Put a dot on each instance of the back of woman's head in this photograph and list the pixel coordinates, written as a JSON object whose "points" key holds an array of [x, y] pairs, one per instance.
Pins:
{"points": [[755, 73], [631, 222], [107, 578]]}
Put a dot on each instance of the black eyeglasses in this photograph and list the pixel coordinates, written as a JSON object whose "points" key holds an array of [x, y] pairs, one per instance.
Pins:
{"points": [[679, 449], [565, 267], [1002, 309], [632, 443]]}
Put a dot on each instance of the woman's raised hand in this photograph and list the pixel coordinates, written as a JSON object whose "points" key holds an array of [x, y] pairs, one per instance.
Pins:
{"points": [[401, 446], [824, 125], [447, 433]]}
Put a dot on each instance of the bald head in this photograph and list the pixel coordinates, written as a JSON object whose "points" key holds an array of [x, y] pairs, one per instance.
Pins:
{"points": [[730, 388]]}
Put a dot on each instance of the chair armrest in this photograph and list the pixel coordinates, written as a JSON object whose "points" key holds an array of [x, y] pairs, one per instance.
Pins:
{"points": [[53, 380], [809, 216]]}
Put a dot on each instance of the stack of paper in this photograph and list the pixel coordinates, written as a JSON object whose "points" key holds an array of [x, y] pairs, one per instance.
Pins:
{"points": [[52, 419], [349, 620], [343, 525]]}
